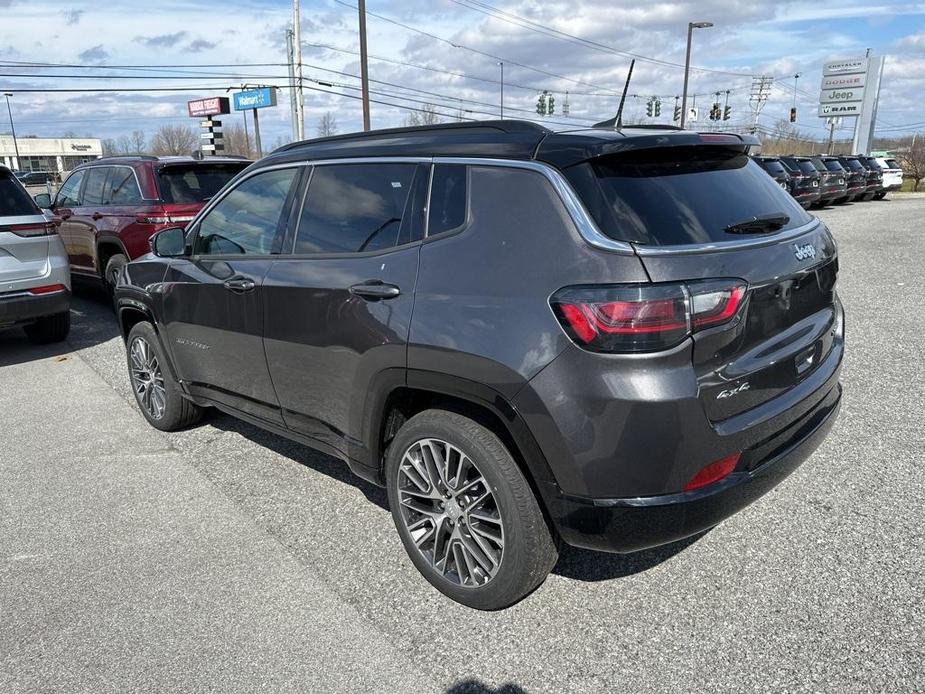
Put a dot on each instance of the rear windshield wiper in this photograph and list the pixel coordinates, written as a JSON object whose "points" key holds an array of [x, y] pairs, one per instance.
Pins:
{"points": [[759, 225]]}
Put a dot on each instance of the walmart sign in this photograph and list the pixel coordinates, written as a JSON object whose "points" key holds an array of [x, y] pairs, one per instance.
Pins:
{"points": [[255, 98]]}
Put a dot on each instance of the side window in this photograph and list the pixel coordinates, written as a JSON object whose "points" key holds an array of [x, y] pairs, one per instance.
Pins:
{"points": [[245, 221], [123, 187], [449, 198], [92, 195], [355, 208], [67, 195]]}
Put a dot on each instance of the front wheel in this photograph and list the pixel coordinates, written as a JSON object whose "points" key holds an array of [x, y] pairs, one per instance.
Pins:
{"points": [[157, 393], [465, 512]]}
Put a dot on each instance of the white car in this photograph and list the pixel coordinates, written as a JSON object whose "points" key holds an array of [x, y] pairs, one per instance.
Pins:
{"points": [[35, 278], [892, 176]]}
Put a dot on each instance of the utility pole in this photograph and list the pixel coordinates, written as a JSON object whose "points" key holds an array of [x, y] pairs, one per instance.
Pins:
{"points": [[292, 85], [687, 65], [297, 60], [364, 68], [502, 89], [831, 144], [761, 90], [9, 110]]}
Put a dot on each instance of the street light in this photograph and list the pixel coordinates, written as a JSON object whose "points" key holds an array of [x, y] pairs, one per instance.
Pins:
{"points": [[687, 65], [13, 129]]}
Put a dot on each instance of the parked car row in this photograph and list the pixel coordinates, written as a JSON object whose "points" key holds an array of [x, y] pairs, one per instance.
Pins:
{"points": [[830, 179]]}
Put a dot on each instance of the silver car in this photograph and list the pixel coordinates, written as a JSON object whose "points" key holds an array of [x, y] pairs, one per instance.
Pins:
{"points": [[35, 279]]}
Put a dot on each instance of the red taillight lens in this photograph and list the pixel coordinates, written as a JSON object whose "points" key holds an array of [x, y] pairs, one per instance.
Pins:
{"points": [[713, 472], [39, 229], [48, 289], [644, 318]]}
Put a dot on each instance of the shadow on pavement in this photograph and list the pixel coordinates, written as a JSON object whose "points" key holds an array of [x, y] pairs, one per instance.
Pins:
{"points": [[586, 565], [92, 323], [473, 686]]}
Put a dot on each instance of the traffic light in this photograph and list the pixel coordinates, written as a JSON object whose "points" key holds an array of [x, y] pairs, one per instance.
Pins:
{"points": [[658, 108], [550, 105], [650, 108], [727, 113], [541, 104], [677, 113], [715, 111], [793, 114]]}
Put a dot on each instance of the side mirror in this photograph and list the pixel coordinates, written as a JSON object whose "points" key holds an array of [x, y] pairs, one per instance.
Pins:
{"points": [[169, 243], [43, 200]]}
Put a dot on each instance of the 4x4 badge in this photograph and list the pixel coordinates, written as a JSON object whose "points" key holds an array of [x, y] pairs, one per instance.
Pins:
{"points": [[803, 252]]}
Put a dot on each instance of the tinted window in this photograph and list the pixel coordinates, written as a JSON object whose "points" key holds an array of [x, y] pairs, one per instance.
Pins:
{"points": [[67, 196], [246, 219], [773, 166], [833, 165], [123, 188], [680, 195], [853, 164], [893, 164], [13, 199], [448, 198], [806, 166], [195, 182], [93, 190], [353, 208]]}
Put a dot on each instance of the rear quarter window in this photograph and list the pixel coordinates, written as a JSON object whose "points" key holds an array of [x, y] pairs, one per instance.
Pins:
{"points": [[191, 183], [14, 200], [680, 195]]}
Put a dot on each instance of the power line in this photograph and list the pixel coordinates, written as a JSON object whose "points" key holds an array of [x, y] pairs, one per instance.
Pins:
{"points": [[517, 20]]}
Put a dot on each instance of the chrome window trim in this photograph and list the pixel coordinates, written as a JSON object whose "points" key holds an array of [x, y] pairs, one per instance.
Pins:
{"points": [[721, 246]]}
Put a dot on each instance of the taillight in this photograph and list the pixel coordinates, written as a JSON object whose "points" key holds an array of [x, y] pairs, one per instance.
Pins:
{"points": [[48, 289], [644, 317], [713, 472], [38, 229]]}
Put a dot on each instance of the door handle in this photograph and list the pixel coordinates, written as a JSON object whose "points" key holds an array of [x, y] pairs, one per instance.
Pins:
{"points": [[239, 285], [97, 215], [375, 290]]}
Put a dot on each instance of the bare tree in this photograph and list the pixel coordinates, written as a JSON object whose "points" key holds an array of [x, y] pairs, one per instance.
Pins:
{"points": [[173, 140], [139, 142], [238, 141], [912, 159], [327, 125], [110, 146], [427, 115]]}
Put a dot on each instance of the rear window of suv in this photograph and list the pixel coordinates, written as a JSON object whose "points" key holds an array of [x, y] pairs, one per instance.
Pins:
{"points": [[773, 166], [680, 195], [14, 200], [186, 183]]}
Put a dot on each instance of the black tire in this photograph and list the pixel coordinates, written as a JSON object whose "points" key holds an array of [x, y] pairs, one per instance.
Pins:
{"points": [[880, 195], [529, 550], [111, 273], [177, 412], [48, 329]]}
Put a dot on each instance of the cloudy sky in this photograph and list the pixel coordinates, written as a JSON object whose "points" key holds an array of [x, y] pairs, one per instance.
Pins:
{"points": [[441, 52]]}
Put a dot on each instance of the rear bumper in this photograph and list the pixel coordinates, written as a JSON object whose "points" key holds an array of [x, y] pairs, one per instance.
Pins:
{"points": [[21, 307], [631, 524]]}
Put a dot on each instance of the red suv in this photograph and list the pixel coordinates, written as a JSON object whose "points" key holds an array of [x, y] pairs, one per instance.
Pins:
{"points": [[109, 208]]}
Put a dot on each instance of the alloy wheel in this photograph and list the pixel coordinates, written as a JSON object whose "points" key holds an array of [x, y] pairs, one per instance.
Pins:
{"points": [[450, 512], [147, 379]]}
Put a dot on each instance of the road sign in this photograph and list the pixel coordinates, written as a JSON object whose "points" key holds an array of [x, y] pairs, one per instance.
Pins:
{"points": [[208, 107], [844, 67], [254, 98], [850, 109]]}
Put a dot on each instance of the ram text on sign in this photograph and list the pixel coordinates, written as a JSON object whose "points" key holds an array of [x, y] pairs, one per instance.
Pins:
{"points": [[849, 109]]}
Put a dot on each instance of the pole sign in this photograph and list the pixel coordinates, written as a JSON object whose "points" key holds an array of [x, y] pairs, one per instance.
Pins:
{"points": [[261, 97], [844, 67], [208, 107], [843, 87]]}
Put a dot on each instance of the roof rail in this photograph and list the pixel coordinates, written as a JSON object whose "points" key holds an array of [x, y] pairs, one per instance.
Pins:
{"points": [[142, 157], [501, 126]]}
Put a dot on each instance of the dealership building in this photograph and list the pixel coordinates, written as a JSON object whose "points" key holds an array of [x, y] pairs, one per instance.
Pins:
{"points": [[59, 154]]}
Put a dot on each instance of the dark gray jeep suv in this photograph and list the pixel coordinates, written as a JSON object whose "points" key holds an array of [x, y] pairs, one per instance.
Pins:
{"points": [[609, 338]]}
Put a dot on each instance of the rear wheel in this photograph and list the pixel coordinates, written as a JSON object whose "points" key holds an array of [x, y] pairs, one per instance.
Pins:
{"points": [[48, 329], [465, 512], [157, 393], [880, 195]]}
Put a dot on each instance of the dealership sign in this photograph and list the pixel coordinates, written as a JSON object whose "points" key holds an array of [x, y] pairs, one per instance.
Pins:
{"points": [[208, 107], [844, 67], [843, 86], [844, 81], [255, 98], [849, 109]]}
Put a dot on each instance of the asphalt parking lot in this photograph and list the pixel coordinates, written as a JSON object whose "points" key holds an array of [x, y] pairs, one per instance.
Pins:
{"points": [[227, 559]]}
